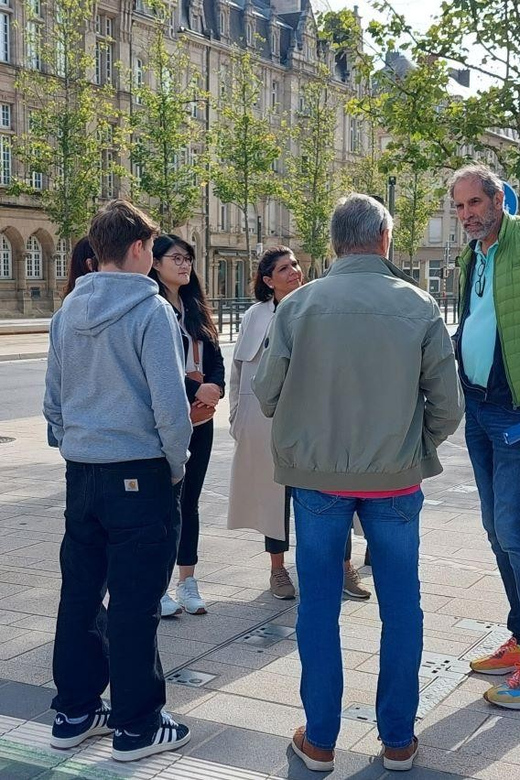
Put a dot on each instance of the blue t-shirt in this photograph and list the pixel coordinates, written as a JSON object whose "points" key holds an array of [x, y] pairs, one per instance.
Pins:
{"points": [[480, 326]]}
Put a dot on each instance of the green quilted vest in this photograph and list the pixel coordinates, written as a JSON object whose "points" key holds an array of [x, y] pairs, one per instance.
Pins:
{"points": [[506, 293]]}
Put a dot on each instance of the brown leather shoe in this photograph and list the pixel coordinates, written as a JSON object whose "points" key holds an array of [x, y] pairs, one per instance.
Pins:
{"points": [[400, 759], [314, 758]]}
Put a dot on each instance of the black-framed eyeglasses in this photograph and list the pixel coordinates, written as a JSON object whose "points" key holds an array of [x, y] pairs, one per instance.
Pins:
{"points": [[179, 259], [480, 281]]}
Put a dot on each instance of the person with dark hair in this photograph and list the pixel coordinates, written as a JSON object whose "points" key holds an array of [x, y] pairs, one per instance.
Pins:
{"points": [[173, 260], [255, 500], [116, 402], [82, 261]]}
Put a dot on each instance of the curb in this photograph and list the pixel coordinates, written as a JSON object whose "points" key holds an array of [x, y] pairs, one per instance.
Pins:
{"points": [[25, 356]]}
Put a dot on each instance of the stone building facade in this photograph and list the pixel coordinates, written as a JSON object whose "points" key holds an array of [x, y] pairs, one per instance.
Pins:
{"points": [[33, 263]]}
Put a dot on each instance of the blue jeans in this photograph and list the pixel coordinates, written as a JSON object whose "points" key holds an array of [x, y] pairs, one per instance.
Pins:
{"points": [[391, 527], [497, 474]]}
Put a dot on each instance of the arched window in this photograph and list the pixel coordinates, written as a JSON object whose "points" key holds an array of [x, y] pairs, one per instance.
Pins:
{"points": [[6, 258], [60, 259], [33, 258]]}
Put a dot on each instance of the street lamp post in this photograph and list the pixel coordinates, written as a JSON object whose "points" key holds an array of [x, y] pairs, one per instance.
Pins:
{"points": [[391, 208]]}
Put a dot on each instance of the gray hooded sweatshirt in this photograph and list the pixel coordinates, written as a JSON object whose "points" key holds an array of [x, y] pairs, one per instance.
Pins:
{"points": [[115, 375]]}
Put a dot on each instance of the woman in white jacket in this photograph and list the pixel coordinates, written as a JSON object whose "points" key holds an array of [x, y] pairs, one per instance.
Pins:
{"points": [[255, 500]]}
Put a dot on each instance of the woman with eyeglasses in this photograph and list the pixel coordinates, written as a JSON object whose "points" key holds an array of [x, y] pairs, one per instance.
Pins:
{"points": [[172, 269]]}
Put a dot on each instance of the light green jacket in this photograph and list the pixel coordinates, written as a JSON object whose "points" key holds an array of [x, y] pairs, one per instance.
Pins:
{"points": [[506, 295], [360, 379]]}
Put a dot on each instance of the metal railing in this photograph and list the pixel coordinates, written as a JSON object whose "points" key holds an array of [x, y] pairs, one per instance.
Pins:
{"points": [[228, 313], [449, 306]]}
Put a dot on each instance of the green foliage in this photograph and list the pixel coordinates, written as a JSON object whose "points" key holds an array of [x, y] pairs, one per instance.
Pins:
{"points": [[417, 201], [245, 142], [444, 126], [70, 122], [167, 137], [313, 182]]}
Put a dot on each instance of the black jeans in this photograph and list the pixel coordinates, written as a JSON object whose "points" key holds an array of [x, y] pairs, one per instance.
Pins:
{"points": [[276, 546], [200, 446], [122, 525]]}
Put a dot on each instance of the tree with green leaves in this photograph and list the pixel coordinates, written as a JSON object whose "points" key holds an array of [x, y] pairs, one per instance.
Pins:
{"points": [[244, 144], [167, 150], [313, 180], [70, 122], [421, 102], [416, 202]]}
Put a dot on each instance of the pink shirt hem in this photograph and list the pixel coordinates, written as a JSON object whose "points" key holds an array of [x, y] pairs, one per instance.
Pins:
{"points": [[373, 494]]}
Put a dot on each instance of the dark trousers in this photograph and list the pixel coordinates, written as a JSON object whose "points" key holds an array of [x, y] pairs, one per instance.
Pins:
{"points": [[200, 446], [122, 525], [277, 546]]}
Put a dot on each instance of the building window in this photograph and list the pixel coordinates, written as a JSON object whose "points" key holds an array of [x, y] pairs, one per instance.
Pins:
{"points": [[249, 33], [171, 25], [5, 36], [413, 271], [104, 52], [5, 116], [107, 174], [223, 23], [6, 258], [276, 43], [224, 81], [138, 78], [60, 259], [224, 226], [355, 134], [5, 160], [36, 180], [275, 94], [34, 45], [33, 259], [435, 230]]}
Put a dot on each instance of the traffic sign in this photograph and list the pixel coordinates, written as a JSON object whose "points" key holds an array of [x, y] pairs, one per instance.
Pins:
{"points": [[510, 199]]}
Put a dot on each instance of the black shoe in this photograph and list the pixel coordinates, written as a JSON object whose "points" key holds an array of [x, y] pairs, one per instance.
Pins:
{"points": [[367, 557], [169, 736], [67, 735]]}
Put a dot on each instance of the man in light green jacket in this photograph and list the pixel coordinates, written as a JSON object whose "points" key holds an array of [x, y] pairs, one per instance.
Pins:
{"points": [[359, 377], [488, 354]]}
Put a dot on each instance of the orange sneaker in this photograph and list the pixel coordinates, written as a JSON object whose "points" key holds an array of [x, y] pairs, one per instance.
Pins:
{"points": [[504, 660]]}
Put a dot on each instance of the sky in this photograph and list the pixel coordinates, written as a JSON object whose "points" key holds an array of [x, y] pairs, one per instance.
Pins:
{"points": [[419, 14], [414, 10]]}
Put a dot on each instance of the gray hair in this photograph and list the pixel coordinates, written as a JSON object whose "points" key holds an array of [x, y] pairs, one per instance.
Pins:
{"points": [[491, 183], [358, 223]]}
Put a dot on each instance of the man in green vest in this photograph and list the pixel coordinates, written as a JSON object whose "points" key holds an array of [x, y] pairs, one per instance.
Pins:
{"points": [[488, 353]]}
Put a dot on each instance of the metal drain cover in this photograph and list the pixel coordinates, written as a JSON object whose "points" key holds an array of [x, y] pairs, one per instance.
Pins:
{"points": [[361, 712], [437, 665], [267, 635], [189, 678], [484, 626], [434, 693], [6, 439], [487, 645]]}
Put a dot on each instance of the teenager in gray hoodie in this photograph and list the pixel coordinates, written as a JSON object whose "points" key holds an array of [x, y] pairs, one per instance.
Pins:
{"points": [[116, 403]]}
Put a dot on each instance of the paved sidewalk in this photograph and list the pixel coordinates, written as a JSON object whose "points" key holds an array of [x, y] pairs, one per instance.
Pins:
{"points": [[242, 694]]}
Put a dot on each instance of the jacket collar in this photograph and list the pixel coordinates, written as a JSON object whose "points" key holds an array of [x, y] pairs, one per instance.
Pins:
{"points": [[368, 264]]}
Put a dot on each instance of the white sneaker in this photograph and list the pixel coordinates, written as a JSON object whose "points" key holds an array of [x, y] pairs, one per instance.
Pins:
{"points": [[169, 606], [188, 597]]}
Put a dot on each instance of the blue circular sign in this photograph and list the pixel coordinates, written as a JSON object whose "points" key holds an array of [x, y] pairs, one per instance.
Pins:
{"points": [[510, 199]]}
